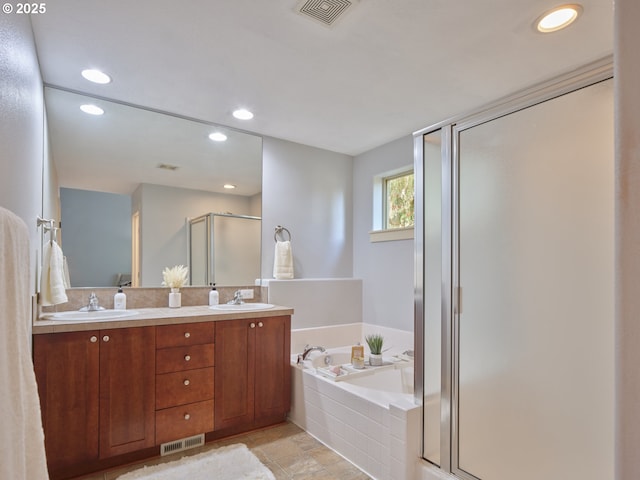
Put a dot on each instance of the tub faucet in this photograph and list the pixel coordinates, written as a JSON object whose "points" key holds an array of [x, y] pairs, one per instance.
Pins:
{"points": [[307, 350]]}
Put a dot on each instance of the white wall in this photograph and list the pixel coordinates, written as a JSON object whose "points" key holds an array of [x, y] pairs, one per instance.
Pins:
{"points": [[163, 211], [627, 78], [308, 191], [21, 127], [386, 268]]}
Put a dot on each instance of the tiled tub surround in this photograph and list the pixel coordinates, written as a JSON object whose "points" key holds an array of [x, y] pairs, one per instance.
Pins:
{"points": [[376, 429]]}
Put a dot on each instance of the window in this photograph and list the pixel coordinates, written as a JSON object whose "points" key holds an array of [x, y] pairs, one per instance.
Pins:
{"points": [[398, 195], [393, 205]]}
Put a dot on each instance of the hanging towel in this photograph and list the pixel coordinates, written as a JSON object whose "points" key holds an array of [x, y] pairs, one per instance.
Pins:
{"points": [[52, 282], [283, 261], [67, 282], [21, 436]]}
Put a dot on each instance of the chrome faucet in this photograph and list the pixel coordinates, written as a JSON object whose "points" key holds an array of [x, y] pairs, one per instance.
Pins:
{"points": [[93, 303], [237, 298], [307, 350]]}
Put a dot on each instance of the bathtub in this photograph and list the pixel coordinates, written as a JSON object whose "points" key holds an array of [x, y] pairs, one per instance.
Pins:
{"points": [[370, 417]]}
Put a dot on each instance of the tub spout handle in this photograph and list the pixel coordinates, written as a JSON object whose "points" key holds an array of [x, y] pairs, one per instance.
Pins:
{"points": [[307, 350]]}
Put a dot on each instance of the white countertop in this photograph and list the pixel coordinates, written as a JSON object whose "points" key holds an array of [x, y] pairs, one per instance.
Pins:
{"points": [[156, 316]]}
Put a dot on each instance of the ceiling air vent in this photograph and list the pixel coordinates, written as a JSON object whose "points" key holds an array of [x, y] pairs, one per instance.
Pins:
{"points": [[167, 166], [324, 11]]}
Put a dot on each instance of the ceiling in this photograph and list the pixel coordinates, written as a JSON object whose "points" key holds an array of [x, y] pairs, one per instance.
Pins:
{"points": [[383, 70]]}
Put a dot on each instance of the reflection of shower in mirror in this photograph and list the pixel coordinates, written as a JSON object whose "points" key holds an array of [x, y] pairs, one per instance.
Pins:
{"points": [[224, 249]]}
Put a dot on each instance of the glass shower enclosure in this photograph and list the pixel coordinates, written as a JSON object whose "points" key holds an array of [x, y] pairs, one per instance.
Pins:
{"points": [[224, 249], [515, 287]]}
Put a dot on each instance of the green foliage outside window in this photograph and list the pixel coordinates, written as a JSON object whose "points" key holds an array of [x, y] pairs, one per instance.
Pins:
{"points": [[399, 195]]}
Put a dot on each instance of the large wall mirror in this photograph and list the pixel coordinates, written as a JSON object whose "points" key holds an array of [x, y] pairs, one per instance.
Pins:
{"points": [[131, 178]]}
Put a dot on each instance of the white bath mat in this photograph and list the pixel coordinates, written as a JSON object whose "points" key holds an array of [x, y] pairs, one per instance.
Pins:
{"points": [[234, 462]]}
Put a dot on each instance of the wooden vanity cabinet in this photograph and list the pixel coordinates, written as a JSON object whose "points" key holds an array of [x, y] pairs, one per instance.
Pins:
{"points": [[67, 367], [253, 377], [184, 380], [96, 393]]}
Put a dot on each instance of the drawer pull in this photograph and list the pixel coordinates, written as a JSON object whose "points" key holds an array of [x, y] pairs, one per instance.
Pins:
{"points": [[187, 416], [187, 358], [105, 338], [260, 324], [93, 339], [187, 334], [186, 382], [253, 325]]}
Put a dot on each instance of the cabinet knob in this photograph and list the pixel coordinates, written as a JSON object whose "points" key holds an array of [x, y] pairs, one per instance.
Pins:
{"points": [[93, 339], [187, 416], [187, 358], [187, 334], [105, 338], [253, 325], [260, 324], [186, 382]]}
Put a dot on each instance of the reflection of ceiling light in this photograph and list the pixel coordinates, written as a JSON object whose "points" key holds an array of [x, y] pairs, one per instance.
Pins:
{"points": [[243, 114], [96, 76], [91, 109], [558, 18], [217, 136], [229, 186]]}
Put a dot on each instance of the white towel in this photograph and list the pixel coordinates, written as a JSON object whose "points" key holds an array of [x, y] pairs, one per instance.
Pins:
{"points": [[283, 261], [52, 282], [21, 435], [67, 282]]}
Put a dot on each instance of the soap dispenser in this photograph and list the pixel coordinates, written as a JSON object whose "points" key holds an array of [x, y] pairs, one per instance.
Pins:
{"points": [[120, 300], [214, 296]]}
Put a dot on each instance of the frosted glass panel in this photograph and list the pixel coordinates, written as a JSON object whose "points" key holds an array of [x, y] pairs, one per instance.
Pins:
{"points": [[535, 396], [236, 249], [432, 294]]}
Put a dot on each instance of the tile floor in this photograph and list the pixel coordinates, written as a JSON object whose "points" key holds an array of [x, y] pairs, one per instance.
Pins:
{"points": [[287, 450]]}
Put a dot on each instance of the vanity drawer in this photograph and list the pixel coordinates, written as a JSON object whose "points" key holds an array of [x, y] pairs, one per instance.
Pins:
{"points": [[184, 334], [184, 421], [176, 359], [179, 388]]}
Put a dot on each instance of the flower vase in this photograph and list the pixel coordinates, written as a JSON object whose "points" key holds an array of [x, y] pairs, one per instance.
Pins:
{"points": [[175, 298]]}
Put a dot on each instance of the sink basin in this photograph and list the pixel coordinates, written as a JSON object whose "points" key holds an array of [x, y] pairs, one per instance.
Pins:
{"points": [[88, 316], [243, 307]]}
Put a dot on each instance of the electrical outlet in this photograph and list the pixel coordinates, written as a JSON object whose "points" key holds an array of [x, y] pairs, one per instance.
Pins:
{"points": [[247, 294]]}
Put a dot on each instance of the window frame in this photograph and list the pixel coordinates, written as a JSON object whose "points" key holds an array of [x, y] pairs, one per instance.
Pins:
{"points": [[381, 232]]}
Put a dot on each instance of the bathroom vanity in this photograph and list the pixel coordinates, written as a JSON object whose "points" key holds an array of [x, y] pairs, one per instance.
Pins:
{"points": [[114, 391]]}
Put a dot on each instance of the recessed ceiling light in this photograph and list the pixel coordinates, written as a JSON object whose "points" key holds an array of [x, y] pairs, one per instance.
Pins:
{"points": [[558, 18], [96, 76], [229, 186], [217, 136], [91, 109], [243, 114]]}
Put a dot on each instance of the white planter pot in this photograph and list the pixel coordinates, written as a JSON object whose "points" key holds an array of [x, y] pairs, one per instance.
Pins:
{"points": [[375, 360]]}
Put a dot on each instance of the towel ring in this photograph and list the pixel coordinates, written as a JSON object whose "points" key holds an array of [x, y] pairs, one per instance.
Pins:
{"points": [[279, 230]]}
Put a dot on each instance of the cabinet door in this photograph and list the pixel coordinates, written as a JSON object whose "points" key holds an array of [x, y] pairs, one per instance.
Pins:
{"points": [[235, 374], [127, 390], [67, 368], [273, 369]]}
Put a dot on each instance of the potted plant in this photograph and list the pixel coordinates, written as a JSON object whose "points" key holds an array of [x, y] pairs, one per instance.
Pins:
{"points": [[375, 345]]}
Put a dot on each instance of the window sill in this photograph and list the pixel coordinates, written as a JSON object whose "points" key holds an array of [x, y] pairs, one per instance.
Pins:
{"points": [[391, 235]]}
